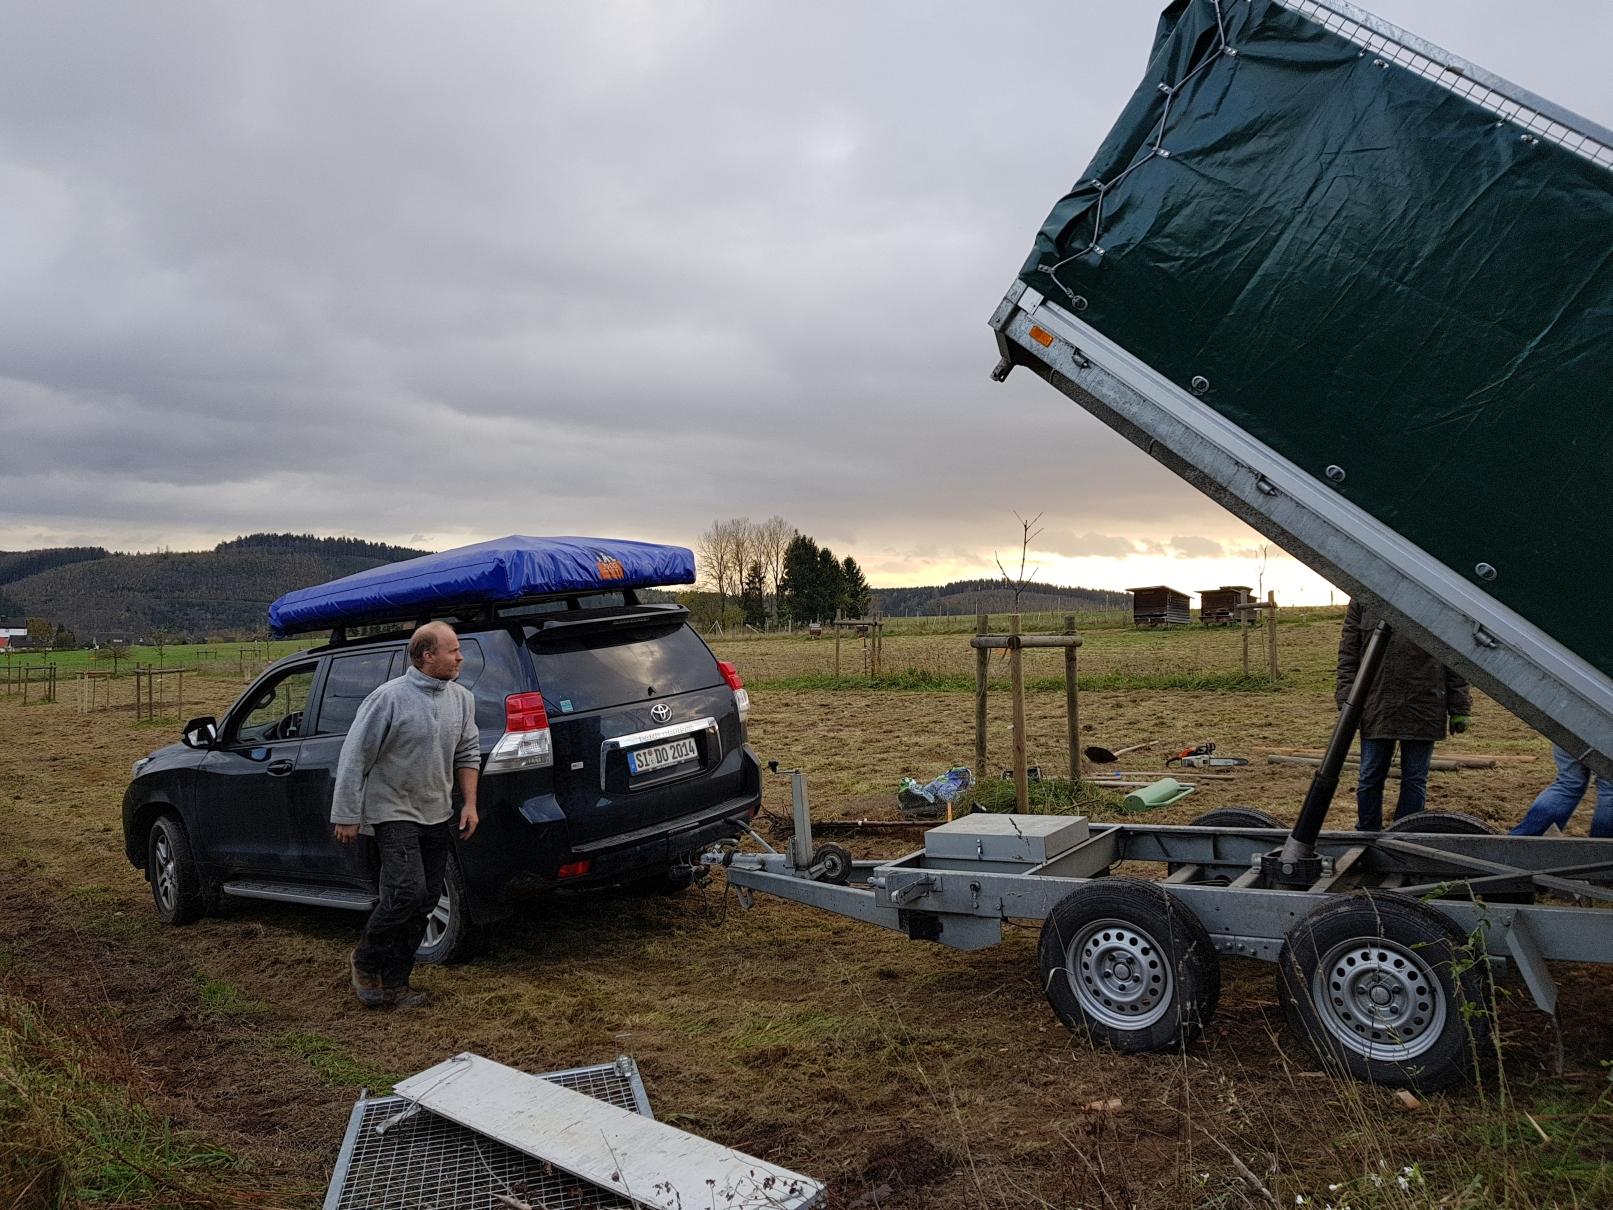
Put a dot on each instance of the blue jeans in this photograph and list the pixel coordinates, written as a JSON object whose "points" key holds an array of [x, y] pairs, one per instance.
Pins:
{"points": [[1415, 754], [1558, 800]]}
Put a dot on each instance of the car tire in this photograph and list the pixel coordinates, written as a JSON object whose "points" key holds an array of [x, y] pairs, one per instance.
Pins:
{"points": [[1384, 987], [1124, 961], [451, 935], [171, 869]]}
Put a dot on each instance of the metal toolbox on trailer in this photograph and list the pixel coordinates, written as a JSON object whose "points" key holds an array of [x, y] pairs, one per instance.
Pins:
{"points": [[1029, 840]]}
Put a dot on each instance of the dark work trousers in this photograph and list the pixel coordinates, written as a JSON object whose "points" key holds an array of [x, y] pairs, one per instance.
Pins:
{"points": [[414, 858]]}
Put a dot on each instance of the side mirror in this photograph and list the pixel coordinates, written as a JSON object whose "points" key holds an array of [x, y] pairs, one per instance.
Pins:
{"points": [[200, 732]]}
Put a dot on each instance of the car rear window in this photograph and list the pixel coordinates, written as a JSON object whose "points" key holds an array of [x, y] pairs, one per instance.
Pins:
{"points": [[491, 680], [610, 666]]}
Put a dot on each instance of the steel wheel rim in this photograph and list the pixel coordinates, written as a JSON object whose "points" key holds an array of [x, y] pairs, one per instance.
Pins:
{"points": [[1119, 974], [437, 923], [1379, 999], [165, 878]]}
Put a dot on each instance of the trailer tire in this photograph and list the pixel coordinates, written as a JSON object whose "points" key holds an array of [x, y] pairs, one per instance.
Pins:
{"points": [[1441, 823], [1226, 817], [836, 861], [1235, 817], [1379, 985], [1124, 961]]}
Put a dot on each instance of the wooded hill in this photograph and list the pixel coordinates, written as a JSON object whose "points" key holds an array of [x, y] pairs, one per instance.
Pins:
{"points": [[223, 593], [990, 596]]}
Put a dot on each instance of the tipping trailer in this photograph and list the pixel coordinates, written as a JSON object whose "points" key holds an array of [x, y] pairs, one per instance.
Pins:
{"points": [[1359, 292]]}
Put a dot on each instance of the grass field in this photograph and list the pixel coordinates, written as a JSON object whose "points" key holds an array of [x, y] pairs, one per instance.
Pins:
{"points": [[215, 1065]]}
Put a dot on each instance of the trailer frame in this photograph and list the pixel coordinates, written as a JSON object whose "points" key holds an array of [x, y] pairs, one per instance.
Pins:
{"points": [[1219, 876]]}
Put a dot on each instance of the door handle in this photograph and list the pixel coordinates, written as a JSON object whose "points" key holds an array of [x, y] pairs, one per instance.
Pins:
{"points": [[279, 768]]}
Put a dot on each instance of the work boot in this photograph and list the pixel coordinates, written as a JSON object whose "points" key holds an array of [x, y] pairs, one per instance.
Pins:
{"points": [[406, 997], [367, 987]]}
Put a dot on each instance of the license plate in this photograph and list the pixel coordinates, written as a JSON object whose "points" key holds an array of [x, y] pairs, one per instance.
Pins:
{"points": [[661, 756]]}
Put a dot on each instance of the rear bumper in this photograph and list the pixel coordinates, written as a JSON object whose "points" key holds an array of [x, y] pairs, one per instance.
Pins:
{"points": [[528, 842], [660, 847]]}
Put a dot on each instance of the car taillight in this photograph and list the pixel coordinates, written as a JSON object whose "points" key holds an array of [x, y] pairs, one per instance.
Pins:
{"points": [[737, 684], [573, 869], [525, 712], [526, 742]]}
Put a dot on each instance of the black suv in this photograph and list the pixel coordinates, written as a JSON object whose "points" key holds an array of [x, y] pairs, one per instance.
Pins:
{"points": [[614, 751]]}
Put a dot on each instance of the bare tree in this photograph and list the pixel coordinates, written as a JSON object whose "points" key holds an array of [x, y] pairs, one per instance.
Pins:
{"points": [[1027, 535], [740, 536], [713, 555], [773, 538]]}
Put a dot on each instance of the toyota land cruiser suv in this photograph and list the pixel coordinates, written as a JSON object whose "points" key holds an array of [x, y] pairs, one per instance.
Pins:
{"points": [[614, 751]]}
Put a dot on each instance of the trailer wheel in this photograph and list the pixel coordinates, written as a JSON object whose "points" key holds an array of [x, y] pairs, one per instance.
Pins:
{"points": [[1442, 823], [1123, 960], [1235, 817], [1456, 823], [836, 862], [1379, 985], [1227, 817]]}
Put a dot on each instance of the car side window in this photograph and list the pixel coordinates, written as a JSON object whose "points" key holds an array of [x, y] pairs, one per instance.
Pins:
{"points": [[277, 707], [351, 679]]}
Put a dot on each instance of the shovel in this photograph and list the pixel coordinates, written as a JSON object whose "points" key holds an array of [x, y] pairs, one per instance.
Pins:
{"points": [[1103, 756]]}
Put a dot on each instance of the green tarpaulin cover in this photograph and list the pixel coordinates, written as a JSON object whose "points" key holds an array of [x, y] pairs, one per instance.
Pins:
{"points": [[1368, 269]]}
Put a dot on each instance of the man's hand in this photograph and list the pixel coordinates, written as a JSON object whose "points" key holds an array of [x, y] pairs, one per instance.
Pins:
{"points": [[345, 833], [468, 819], [1458, 723]]}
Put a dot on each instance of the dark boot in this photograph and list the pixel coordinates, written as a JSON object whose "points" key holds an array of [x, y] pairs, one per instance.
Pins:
{"points": [[406, 997], [370, 992]]}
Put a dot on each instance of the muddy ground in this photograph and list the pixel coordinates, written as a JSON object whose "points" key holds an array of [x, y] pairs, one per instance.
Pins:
{"points": [[905, 1075]]}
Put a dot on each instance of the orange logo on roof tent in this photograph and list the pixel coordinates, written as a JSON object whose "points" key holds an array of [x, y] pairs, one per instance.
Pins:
{"points": [[610, 568]]}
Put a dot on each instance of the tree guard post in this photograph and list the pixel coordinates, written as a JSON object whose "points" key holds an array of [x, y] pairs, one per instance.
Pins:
{"points": [[1072, 710], [837, 646], [1016, 675], [1014, 643], [1271, 633], [982, 671]]}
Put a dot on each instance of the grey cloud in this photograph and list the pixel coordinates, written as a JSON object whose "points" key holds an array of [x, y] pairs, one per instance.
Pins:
{"points": [[1193, 547], [407, 269], [1076, 546]]}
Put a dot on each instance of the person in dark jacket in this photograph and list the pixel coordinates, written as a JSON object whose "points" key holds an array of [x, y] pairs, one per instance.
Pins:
{"points": [[1412, 703]]}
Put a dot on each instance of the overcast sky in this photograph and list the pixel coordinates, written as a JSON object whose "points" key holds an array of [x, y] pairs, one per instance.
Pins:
{"points": [[436, 273]]}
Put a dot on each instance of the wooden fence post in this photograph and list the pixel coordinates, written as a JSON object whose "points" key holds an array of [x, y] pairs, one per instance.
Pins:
{"points": [[1271, 633], [982, 668], [1072, 710], [1016, 673]]}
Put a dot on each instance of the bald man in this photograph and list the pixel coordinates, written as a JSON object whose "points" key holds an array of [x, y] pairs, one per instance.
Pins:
{"points": [[411, 740]]}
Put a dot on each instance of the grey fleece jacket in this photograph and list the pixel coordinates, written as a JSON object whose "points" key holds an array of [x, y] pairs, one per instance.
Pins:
{"points": [[399, 757]]}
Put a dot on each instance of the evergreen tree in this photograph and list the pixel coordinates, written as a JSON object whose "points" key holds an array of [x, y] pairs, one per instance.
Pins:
{"points": [[753, 596], [830, 586], [797, 591], [855, 597]]}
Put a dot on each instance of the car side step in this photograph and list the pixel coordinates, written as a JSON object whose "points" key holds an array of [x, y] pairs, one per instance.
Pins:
{"points": [[291, 892]]}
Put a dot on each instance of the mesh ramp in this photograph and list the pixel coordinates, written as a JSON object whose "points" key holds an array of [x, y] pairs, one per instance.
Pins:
{"points": [[424, 1162]]}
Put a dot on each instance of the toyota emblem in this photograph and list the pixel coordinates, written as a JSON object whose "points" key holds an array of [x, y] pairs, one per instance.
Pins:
{"points": [[660, 712]]}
